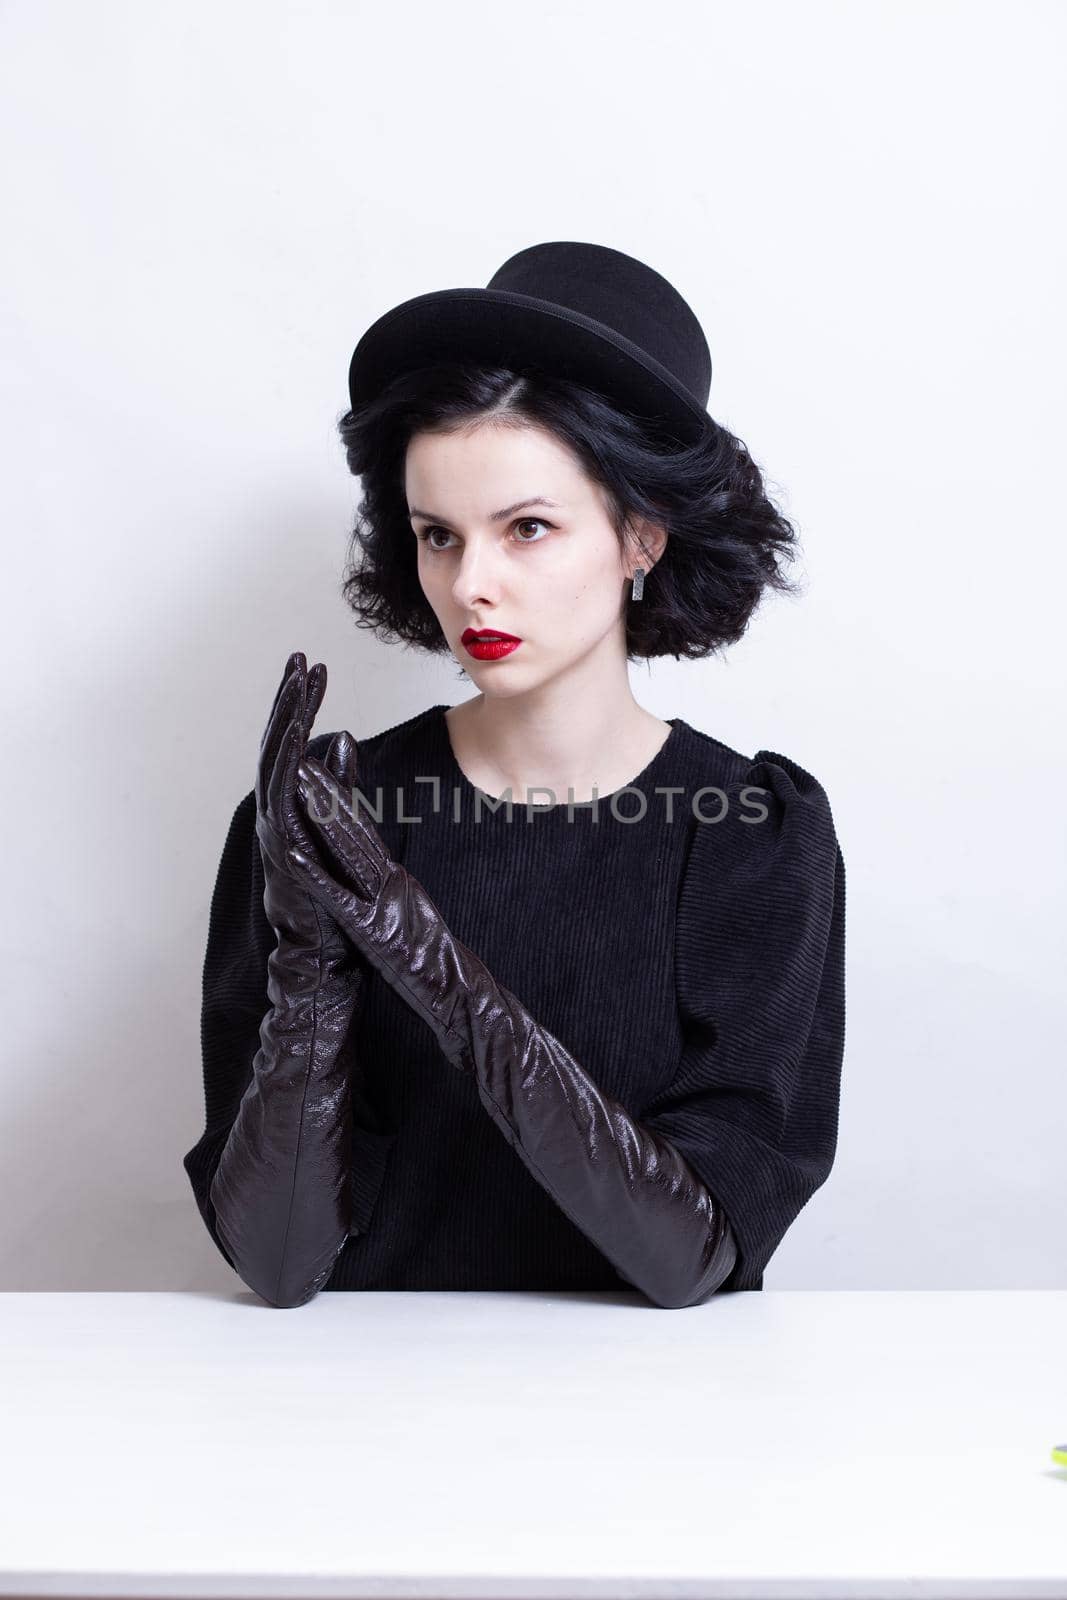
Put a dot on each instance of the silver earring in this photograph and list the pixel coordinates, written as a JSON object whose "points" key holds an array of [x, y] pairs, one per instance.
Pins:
{"points": [[639, 583]]}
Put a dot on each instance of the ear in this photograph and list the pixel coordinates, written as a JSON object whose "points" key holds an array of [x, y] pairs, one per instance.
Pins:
{"points": [[647, 543]]}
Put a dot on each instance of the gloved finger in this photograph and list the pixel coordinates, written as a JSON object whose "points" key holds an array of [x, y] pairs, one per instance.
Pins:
{"points": [[282, 780], [290, 702], [348, 910], [278, 692], [296, 664], [316, 689], [353, 843], [291, 751], [286, 699], [340, 760]]}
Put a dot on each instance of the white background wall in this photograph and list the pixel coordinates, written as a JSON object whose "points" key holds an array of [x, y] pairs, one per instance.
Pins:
{"points": [[206, 205]]}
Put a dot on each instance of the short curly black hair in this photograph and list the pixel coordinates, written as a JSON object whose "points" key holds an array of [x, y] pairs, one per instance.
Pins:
{"points": [[726, 542]]}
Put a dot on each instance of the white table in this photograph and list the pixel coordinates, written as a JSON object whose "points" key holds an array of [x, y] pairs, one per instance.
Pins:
{"points": [[823, 1443]]}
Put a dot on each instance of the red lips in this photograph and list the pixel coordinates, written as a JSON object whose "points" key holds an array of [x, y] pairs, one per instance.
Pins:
{"points": [[488, 644]]}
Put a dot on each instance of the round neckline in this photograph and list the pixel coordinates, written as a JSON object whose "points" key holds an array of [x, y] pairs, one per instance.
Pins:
{"points": [[637, 782]]}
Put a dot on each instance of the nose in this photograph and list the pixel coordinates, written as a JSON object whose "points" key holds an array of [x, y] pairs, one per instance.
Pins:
{"points": [[475, 583]]}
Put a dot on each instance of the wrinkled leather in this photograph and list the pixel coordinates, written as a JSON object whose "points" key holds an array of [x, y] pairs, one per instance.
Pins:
{"points": [[628, 1190], [282, 1191]]}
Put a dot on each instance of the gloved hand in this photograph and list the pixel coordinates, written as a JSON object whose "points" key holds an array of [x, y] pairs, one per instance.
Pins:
{"points": [[627, 1189], [281, 1193], [309, 942]]}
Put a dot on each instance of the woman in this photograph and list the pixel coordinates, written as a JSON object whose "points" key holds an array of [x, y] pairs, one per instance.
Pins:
{"points": [[482, 1008]]}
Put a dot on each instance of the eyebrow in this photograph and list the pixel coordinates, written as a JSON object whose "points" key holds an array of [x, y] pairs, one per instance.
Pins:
{"points": [[494, 516]]}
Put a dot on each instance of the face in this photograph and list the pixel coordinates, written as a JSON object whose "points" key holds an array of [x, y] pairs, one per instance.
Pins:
{"points": [[552, 575]]}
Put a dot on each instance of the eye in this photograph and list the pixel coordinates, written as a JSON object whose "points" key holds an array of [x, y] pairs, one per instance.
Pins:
{"points": [[423, 534], [532, 522]]}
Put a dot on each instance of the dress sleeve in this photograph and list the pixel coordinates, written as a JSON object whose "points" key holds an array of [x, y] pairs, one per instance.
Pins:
{"points": [[760, 973]]}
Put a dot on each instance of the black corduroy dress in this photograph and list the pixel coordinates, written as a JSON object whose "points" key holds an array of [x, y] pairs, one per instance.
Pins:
{"points": [[684, 938]]}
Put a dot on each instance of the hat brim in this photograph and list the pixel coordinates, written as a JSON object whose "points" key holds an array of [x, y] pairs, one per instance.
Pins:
{"points": [[520, 331]]}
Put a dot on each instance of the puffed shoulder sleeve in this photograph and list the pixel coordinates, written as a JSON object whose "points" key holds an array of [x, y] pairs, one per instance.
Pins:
{"points": [[760, 974]]}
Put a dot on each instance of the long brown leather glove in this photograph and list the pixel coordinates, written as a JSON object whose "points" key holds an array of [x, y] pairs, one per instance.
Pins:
{"points": [[627, 1189], [281, 1193]]}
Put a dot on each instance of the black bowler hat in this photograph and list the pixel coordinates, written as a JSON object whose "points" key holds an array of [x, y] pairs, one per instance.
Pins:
{"points": [[581, 310]]}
